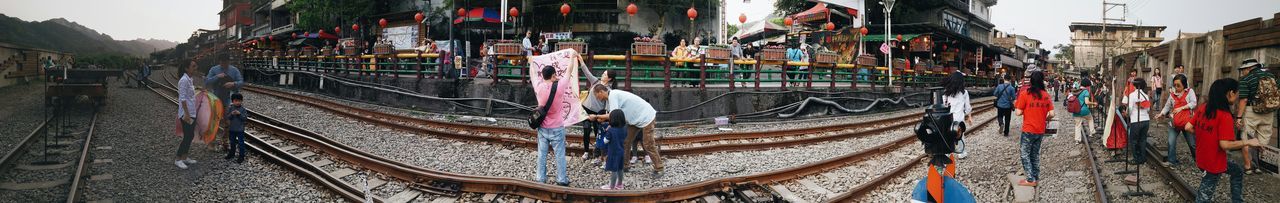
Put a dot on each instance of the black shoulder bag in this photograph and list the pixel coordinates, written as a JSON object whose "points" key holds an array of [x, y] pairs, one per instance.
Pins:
{"points": [[535, 119]]}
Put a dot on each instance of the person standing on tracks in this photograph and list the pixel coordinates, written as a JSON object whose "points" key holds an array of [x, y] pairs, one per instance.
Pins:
{"points": [[1178, 107], [641, 119], [1036, 109], [236, 116], [1157, 85], [1215, 133], [1255, 124], [1005, 94], [956, 97], [592, 106], [224, 79], [551, 132], [186, 115], [1082, 117], [613, 139], [1138, 105]]}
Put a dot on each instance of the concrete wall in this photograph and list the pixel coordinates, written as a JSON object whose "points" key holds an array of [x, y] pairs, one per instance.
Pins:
{"points": [[15, 60]]}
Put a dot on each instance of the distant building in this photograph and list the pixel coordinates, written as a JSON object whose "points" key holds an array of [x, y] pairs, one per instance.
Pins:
{"points": [[1121, 38]]}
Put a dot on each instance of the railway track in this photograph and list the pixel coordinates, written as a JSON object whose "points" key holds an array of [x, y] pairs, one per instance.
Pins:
{"points": [[51, 163], [740, 188], [671, 145]]}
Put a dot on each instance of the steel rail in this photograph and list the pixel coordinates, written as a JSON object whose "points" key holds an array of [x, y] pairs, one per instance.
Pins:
{"points": [[1098, 184], [84, 155]]}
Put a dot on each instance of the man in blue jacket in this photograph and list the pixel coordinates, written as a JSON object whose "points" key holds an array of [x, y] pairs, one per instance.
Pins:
{"points": [[223, 80], [1005, 94]]}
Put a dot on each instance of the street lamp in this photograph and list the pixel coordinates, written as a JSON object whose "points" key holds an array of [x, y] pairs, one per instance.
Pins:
{"points": [[888, 28]]}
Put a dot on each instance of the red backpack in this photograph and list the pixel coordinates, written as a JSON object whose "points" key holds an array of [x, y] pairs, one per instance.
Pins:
{"points": [[1073, 104]]}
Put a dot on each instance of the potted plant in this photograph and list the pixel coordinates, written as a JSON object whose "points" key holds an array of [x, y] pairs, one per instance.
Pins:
{"points": [[577, 44], [719, 51], [828, 57], [773, 53], [508, 48], [648, 46]]}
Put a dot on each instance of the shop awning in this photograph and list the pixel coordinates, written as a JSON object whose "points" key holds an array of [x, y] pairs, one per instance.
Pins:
{"points": [[1010, 61], [818, 12], [489, 15], [759, 29], [880, 38]]}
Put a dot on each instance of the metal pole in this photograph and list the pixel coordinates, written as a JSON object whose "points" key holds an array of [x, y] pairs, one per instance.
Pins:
{"points": [[888, 30]]}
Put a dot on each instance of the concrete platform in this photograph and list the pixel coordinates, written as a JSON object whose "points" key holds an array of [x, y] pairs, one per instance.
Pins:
{"points": [[1021, 193]]}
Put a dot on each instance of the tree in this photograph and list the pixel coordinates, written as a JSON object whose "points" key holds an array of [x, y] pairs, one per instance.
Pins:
{"points": [[325, 14], [1066, 52], [664, 7], [787, 7]]}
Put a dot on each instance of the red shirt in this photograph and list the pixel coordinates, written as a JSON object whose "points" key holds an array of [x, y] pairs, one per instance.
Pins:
{"points": [[1209, 154], [1035, 112]]}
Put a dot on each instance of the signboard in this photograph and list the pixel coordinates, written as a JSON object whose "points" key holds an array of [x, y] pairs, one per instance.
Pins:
{"points": [[401, 37], [955, 23], [557, 35]]}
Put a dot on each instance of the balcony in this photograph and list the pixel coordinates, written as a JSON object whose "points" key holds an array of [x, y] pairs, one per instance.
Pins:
{"points": [[282, 29], [278, 4]]}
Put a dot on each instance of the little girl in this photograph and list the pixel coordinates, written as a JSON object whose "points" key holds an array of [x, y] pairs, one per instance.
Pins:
{"points": [[613, 139]]}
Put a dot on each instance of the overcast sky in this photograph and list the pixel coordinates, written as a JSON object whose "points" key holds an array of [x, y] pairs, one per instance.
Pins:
{"points": [[172, 20], [1046, 20]]}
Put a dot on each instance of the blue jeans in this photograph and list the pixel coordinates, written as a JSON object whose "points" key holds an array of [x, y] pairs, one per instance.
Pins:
{"points": [[555, 138], [1173, 144], [1031, 155], [237, 141], [1209, 183]]}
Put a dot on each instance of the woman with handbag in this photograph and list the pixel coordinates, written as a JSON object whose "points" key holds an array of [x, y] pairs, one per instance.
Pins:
{"points": [[1181, 100]]}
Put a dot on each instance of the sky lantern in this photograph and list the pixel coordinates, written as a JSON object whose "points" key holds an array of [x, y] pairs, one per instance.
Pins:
{"points": [[513, 12], [830, 26], [382, 22], [863, 31], [419, 17], [631, 9], [564, 9], [788, 21], [742, 18], [692, 13], [355, 27]]}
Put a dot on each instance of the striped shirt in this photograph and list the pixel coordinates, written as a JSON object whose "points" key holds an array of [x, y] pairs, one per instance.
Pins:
{"points": [[187, 95]]}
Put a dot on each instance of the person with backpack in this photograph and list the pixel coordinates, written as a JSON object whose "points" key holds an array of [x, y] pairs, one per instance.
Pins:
{"points": [[1078, 106], [1255, 110], [551, 130], [1005, 95], [1181, 100]]}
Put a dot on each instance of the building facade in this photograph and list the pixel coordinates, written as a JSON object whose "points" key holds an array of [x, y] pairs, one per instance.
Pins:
{"points": [[1088, 39]]}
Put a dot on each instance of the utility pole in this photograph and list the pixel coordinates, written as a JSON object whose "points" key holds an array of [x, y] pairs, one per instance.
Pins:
{"points": [[1106, 6], [888, 29]]}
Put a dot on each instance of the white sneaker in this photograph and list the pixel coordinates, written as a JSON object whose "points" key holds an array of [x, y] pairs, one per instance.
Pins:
{"points": [[634, 159], [595, 161], [189, 161], [961, 155], [180, 165], [584, 156], [648, 159]]}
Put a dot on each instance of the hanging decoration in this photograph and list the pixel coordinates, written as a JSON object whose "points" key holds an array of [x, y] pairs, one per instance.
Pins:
{"points": [[564, 9], [742, 18], [692, 13], [631, 9], [382, 22]]}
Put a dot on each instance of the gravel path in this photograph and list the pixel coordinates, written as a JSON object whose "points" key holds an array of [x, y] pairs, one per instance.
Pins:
{"points": [[138, 128], [21, 113], [505, 161]]}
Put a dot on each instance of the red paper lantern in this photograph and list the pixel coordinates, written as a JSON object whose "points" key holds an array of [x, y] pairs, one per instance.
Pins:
{"points": [[899, 37], [337, 30], [419, 17], [631, 9], [355, 27], [788, 21], [462, 12], [306, 34], [692, 13], [513, 12], [321, 32], [272, 38], [295, 35], [863, 31], [382, 22], [852, 12], [742, 18], [564, 9], [830, 26]]}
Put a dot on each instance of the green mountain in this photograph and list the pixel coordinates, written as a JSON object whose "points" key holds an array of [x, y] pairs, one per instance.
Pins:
{"points": [[62, 35]]}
